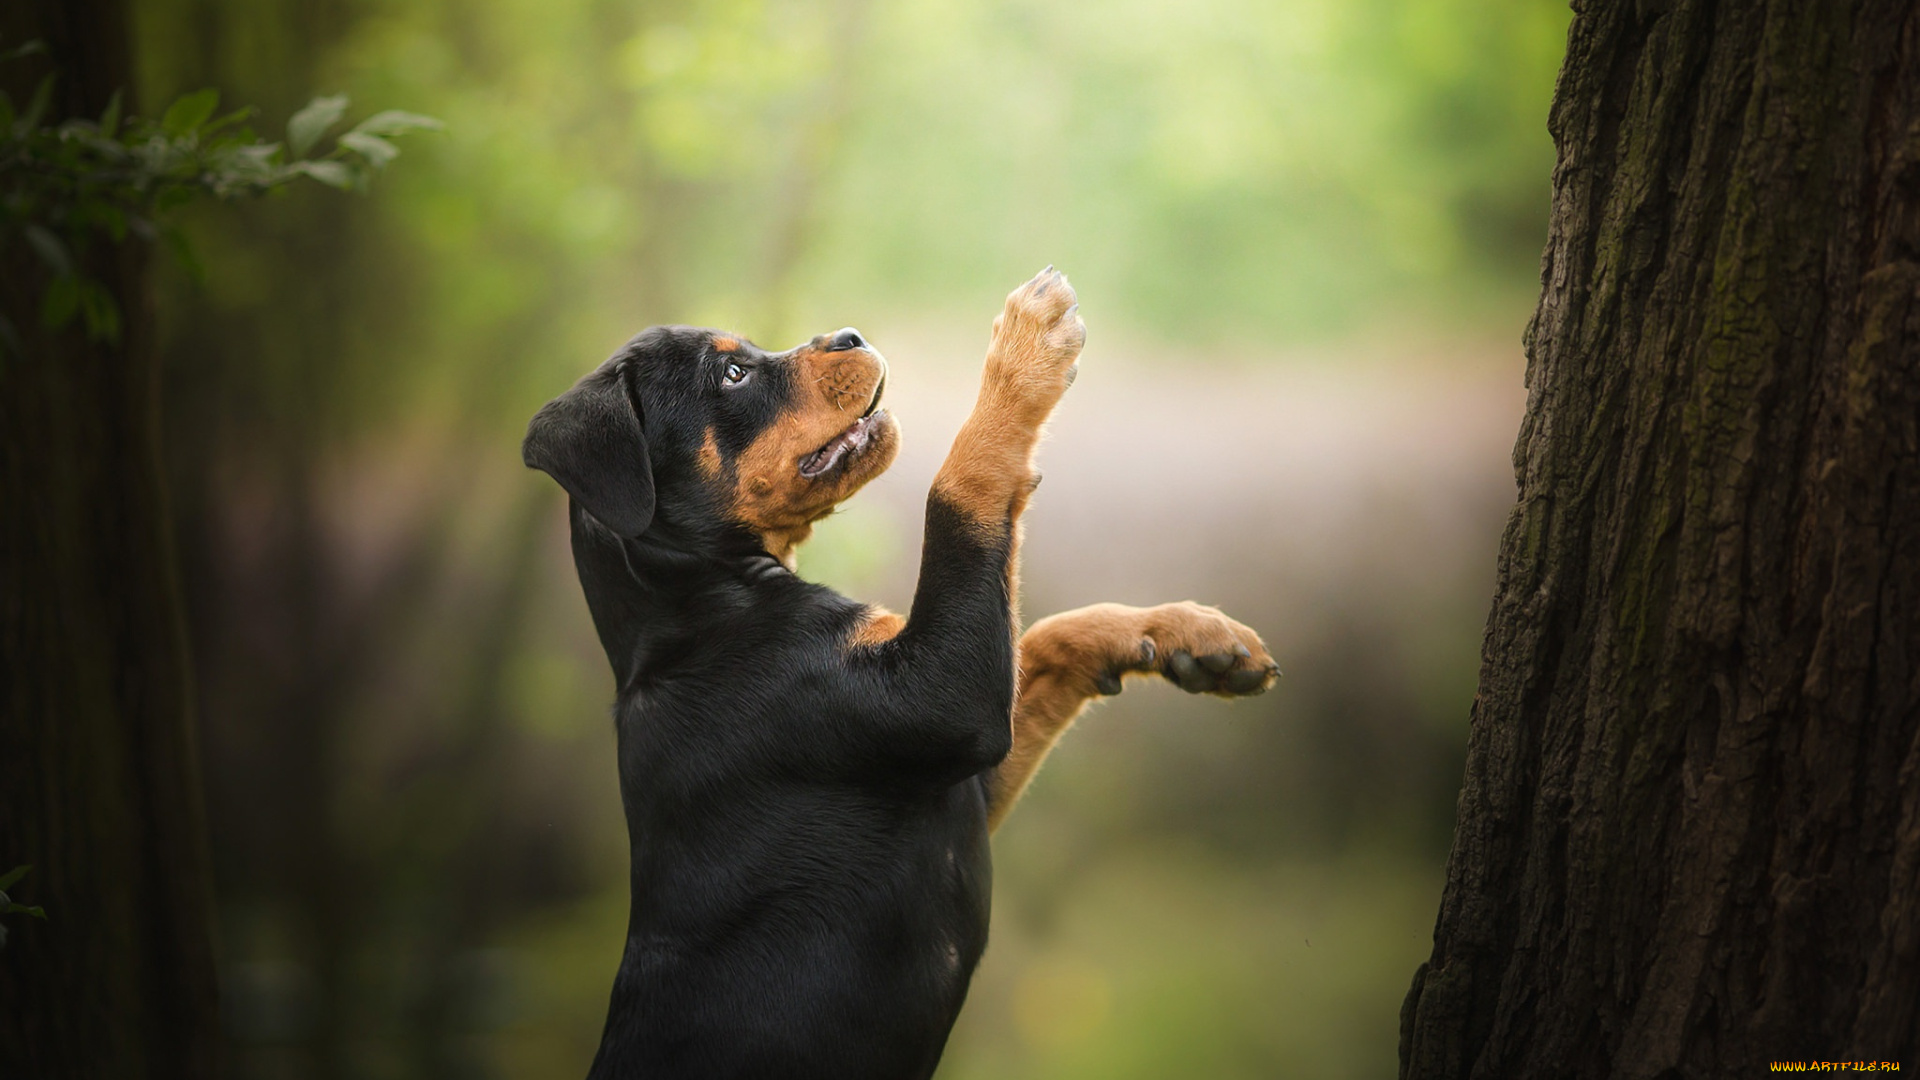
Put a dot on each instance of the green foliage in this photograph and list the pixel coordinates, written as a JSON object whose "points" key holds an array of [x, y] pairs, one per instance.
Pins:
{"points": [[72, 183], [1214, 174], [8, 907]]}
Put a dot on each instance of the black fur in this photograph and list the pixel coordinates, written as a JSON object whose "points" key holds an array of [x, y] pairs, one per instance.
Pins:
{"points": [[810, 871]]}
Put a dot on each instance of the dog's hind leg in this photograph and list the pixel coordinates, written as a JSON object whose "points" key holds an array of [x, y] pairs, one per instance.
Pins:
{"points": [[1067, 660]]}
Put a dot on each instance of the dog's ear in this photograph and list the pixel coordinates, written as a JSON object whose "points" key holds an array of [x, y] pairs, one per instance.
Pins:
{"points": [[591, 441]]}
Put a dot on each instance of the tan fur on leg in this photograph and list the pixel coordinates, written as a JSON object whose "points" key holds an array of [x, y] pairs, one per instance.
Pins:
{"points": [[1066, 660], [876, 627], [989, 472]]}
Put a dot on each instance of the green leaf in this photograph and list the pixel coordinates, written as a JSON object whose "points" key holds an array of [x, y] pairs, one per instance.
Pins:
{"points": [[26, 49], [252, 163], [330, 173], [98, 214], [375, 149], [61, 303], [231, 118], [37, 107], [173, 197], [176, 242], [396, 122], [21, 909], [189, 111], [8, 879], [110, 120], [310, 123], [114, 220], [102, 314], [51, 249]]}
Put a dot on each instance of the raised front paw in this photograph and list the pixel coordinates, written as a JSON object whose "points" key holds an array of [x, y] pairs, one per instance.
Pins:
{"points": [[1202, 651], [1036, 341]]}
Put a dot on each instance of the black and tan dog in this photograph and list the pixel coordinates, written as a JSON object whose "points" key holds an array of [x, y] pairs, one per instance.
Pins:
{"points": [[809, 782]]}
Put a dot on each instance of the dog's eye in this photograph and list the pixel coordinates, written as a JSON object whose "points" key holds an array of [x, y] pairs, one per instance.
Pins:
{"points": [[736, 374]]}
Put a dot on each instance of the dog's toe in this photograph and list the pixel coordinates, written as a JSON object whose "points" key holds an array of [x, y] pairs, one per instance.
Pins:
{"points": [[1217, 662], [1187, 673], [1249, 681]]}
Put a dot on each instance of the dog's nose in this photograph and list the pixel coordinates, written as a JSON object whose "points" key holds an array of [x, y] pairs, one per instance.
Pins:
{"points": [[848, 338]]}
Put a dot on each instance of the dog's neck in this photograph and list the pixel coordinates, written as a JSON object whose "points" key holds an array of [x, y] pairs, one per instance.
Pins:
{"points": [[653, 594], [782, 545]]}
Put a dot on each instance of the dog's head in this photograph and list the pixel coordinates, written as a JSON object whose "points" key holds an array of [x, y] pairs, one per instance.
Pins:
{"points": [[696, 432]]}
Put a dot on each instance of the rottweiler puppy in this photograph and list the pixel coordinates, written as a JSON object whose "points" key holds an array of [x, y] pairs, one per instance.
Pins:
{"points": [[809, 781]]}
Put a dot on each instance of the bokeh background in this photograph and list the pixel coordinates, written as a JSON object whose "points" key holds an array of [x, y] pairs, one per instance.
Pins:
{"points": [[1306, 236]]}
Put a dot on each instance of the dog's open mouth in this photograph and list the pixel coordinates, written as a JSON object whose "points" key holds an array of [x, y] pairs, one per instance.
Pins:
{"points": [[849, 442]]}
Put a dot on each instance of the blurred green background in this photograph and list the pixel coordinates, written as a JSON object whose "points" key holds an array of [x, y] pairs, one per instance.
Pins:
{"points": [[1306, 236]]}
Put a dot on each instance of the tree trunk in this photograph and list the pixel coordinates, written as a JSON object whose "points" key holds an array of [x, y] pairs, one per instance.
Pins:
{"points": [[1689, 837], [98, 785]]}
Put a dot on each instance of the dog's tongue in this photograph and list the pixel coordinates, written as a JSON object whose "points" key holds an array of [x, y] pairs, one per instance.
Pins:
{"points": [[829, 455]]}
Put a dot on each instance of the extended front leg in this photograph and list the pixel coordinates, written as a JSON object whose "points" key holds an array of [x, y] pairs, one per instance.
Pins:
{"points": [[950, 667], [1067, 660], [989, 473]]}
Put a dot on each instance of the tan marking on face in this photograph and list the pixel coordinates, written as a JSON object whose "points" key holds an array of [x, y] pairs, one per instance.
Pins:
{"points": [[830, 392], [877, 626], [725, 343], [709, 459]]}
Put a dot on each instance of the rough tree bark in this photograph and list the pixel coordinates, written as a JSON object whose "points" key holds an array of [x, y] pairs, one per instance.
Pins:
{"points": [[99, 789], [1689, 837]]}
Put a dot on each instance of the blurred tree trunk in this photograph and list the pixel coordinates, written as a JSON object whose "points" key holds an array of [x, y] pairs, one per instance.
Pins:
{"points": [[1689, 838], [99, 790]]}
